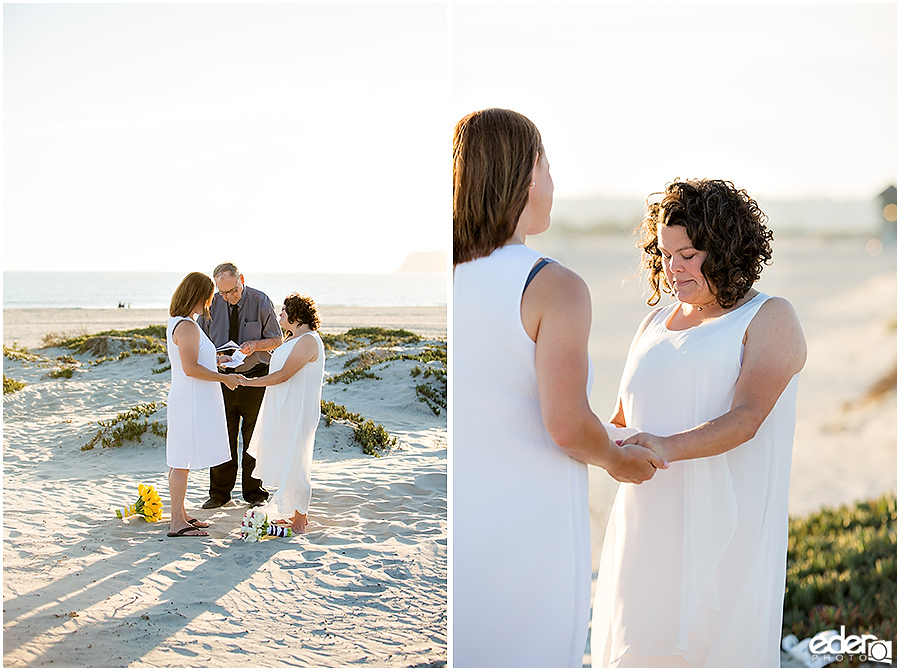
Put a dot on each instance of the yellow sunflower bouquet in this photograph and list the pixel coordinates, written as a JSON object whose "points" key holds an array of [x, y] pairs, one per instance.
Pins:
{"points": [[148, 504]]}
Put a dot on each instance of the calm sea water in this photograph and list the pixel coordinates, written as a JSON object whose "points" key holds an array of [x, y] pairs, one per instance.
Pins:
{"points": [[154, 290]]}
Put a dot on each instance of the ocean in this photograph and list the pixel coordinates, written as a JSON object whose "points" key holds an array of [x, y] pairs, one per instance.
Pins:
{"points": [[154, 290]]}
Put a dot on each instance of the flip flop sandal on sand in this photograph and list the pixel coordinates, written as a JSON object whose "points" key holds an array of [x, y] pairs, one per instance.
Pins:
{"points": [[194, 522], [282, 523], [183, 533]]}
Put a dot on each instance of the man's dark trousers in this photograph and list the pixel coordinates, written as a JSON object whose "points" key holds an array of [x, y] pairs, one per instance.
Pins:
{"points": [[241, 409]]}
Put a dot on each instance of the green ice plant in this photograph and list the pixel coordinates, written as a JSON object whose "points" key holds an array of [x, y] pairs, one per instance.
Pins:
{"points": [[842, 570]]}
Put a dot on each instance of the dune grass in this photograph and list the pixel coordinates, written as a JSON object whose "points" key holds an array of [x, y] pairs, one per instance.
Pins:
{"points": [[369, 336], [432, 391], [374, 438], [19, 353], [127, 426], [146, 340], [10, 385]]}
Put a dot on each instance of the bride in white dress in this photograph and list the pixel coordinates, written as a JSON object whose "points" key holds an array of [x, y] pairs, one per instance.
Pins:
{"points": [[196, 436], [692, 570], [523, 430], [285, 432]]}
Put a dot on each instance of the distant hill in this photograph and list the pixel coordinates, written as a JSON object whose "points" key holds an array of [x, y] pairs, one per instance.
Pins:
{"points": [[792, 216], [424, 262]]}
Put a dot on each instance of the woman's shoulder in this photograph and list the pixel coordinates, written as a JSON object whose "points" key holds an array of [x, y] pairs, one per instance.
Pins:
{"points": [[177, 321], [176, 327], [314, 339], [505, 254], [775, 306], [557, 296], [560, 282], [775, 331], [776, 316], [302, 341]]}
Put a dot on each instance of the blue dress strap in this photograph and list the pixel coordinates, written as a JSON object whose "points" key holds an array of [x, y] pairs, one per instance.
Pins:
{"points": [[534, 271]]}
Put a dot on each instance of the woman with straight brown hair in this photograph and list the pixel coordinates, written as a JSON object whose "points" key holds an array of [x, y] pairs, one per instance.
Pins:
{"points": [[523, 431], [196, 436]]}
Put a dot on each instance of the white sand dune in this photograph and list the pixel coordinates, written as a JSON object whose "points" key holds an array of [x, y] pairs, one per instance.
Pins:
{"points": [[365, 586]]}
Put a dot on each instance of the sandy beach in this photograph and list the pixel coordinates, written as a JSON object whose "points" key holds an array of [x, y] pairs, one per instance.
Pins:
{"points": [[366, 586]]}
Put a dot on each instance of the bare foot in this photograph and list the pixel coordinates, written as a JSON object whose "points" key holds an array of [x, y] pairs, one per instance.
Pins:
{"points": [[298, 523]]}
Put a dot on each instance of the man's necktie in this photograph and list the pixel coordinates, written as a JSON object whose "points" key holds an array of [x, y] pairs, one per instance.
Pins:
{"points": [[233, 327]]}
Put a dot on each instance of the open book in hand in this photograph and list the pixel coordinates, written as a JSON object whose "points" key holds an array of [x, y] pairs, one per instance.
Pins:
{"points": [[228, 347], [232, 348], [236, 360]]}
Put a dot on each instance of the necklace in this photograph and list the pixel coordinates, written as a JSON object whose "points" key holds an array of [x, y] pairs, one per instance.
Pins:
{"points": [[297, 334], [700, 308]]}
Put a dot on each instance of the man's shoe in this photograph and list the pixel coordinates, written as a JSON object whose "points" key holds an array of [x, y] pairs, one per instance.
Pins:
{"points": [[214, 503], [257, 501]]}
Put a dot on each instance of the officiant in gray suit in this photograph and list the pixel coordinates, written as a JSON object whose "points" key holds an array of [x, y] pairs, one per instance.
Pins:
{"points": [[247, 317]]}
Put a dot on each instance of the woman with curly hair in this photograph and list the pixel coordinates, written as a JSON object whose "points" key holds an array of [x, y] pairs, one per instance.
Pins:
{"points": [[523, 430], [285, 432], [692, 571]]}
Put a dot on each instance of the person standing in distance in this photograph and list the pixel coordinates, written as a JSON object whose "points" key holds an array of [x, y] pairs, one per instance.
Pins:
{"points": [[247, 317]]}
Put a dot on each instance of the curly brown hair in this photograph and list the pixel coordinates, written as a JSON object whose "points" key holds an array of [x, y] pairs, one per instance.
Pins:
{"points": [[719, 219], [494, 154], [302, 310]]}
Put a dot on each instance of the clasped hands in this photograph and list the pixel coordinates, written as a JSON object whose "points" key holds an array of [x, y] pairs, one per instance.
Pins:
{"points": [[234, 380], [638, 459]]}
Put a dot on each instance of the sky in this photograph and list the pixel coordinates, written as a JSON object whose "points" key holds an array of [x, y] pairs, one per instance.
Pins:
{"points": [[788, 101], [315, 137], [283, 137]]}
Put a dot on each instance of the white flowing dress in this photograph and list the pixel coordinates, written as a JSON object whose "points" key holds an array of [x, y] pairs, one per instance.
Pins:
{"points": [[285, 431], [521, 533], [196, 435], [692, 571]]}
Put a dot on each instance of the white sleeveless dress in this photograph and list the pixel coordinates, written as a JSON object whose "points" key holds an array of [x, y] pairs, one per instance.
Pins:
{"points": [[692, 570], [521, 534], [196, 435], [285, 431]]}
